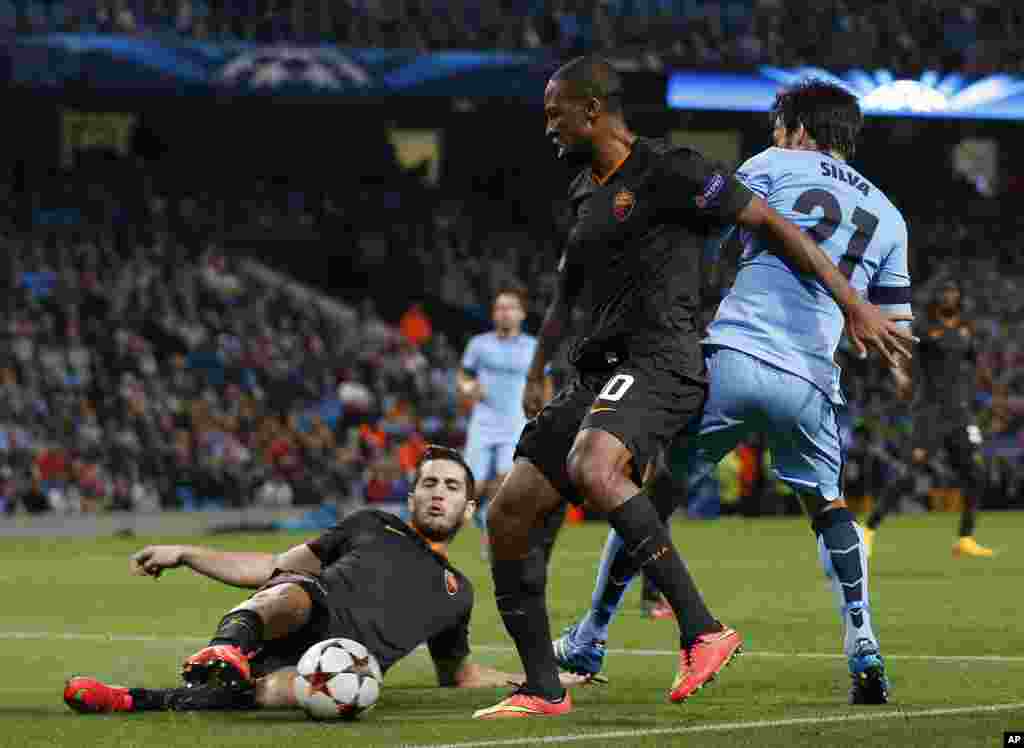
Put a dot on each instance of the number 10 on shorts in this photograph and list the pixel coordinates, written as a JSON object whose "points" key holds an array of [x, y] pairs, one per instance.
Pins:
{"points": [[616, 387]]}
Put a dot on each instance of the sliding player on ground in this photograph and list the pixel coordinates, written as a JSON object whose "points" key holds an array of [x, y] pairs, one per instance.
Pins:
{"points": [[373, 578]]}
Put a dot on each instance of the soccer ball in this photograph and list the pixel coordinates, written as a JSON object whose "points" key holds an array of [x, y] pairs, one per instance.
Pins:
{"points": [[338, 679]]}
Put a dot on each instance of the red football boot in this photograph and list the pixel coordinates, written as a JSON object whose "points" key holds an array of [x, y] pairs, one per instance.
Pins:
{"points": [[702, 661], [225, 663], [525, 705], [90, 696]]}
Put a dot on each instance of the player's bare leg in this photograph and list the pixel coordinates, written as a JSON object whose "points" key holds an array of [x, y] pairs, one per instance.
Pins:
{"points": [[272, 613], [275, 691], [598, 466], [519, 568]]}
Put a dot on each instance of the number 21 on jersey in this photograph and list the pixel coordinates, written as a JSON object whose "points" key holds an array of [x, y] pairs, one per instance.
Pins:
{"points": [[865, 223]]}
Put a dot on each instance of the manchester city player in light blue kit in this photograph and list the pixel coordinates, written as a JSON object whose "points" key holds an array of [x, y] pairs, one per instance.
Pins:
{"points": [[770, 359], [493, 376]]}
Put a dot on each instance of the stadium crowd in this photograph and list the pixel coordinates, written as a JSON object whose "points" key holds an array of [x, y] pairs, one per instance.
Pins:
{"points": [[976, 36], [157, 379]]}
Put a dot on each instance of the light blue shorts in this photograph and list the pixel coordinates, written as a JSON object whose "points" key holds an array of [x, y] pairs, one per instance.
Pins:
{"points": [[488, 459], [749, 396]]}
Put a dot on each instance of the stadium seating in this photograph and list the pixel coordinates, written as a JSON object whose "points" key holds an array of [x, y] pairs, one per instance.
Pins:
{"points": [[841, 33]]}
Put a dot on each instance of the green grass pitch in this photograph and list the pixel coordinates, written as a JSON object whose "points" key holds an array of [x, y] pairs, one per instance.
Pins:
{"points": [[952, 631]]}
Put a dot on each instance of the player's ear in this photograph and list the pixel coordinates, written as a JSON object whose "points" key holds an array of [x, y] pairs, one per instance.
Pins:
{"points": [[469, 511], [593, 108], [801, 134], [411, 500]]}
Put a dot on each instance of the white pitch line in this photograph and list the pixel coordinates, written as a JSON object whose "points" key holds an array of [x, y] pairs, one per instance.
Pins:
{"points": [[96, 637], [869, 716], [88, 637], [793, 655]]}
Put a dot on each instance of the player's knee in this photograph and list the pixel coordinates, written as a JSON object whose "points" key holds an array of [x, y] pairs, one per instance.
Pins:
{"points": [[815, 505], [596, 471], [283, 604], [509, 515]]}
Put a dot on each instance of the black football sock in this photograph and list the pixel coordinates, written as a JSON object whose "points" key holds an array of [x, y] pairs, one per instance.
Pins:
{"points": [[972, 485], [519, 592], [967, 516], [242, 628], [649, 544], [197, 698], [888, 497]]}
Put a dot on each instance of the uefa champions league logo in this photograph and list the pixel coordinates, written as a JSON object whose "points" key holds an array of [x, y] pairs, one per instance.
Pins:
{"points": [[882, 93], [277, 66]]}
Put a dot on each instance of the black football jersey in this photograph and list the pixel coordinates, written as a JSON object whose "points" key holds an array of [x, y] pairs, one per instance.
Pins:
{"points": [[390, 591], [633, 256], [946, 363]]}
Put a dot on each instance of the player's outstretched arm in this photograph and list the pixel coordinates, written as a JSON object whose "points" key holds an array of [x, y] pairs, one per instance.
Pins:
{"points": [[866, 324], [238, 569]]}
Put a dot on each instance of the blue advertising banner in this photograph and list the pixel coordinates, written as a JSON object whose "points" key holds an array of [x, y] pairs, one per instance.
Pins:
{"points": [[122, 64], [931, 95]]}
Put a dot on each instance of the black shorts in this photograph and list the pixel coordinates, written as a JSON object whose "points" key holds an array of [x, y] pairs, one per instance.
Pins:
{"points": [[286, 652], [643, 402], [954, 431]]}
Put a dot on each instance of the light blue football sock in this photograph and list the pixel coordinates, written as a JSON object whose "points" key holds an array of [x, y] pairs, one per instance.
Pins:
{"points": [[608, 594], [842, 556]]}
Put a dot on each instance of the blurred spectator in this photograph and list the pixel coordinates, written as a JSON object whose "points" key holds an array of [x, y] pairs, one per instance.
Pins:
{"points": [[415, 325]]}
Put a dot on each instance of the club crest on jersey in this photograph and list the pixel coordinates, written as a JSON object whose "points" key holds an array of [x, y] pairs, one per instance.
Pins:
{"points": [[622, 204], [712, 189], [451, 583]]}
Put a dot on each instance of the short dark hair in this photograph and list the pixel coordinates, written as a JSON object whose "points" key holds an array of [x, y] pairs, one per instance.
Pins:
{"points": [[593, 77], [514, 289], [829, 112], [437, 452]]}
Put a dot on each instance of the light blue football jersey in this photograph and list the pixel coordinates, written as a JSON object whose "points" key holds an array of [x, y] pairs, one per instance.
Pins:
{"points": [[501, 365], [786, 318]]}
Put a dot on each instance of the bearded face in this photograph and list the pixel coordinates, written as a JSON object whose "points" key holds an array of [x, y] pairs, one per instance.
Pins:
{"points": [[439, 502]]}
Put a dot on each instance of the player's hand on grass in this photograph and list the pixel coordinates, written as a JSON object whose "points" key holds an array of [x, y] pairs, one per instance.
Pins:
{"points": [[870, 327], [568, 680], [533, 397], [153, 559], [572, 679]]}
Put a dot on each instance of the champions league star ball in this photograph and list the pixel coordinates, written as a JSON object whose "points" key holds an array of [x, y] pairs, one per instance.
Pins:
{"points": [[338, 679]]}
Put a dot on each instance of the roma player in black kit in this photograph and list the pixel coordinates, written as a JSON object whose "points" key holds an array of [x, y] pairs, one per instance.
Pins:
{"points": [[643, 211], [942, 388], [373, 578]]}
